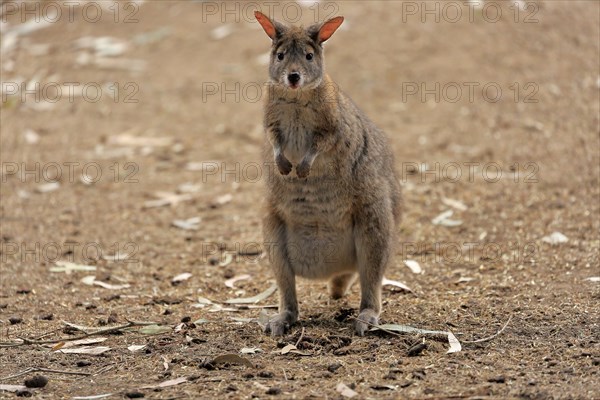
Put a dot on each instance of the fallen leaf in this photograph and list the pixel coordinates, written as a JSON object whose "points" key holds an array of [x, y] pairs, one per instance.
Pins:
{"points": [[12, 388], [455, 345], [414, 266], [383, 387], [58, 346], [80, 342], [93, 397], [443, 219], [250, 350], [204, 301], [454, 203], [136, 347], [181, 277], [222, 200], [139, 141], [155, 329], [167, 198], [118, 256], [171, 382], [31, 136], [190, 224], [290, 348], [345, 391], [593, 279], [228, 259], [555, 238], [68, 267], [401, 285], [221, 32], [91, 280], [232, 359], [231, 282], [86, 350], [243, 320], [47, 187], [82, 328], [254, 299]]}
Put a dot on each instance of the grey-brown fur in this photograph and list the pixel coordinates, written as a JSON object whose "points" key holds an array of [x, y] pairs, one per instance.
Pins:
{"points": [[333, 199]]}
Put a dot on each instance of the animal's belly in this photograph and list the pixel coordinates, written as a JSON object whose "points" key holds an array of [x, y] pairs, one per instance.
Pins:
{"points": [[317, 252]]}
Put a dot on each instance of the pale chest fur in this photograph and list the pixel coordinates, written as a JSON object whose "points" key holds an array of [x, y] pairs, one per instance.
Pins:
{"points": [[298, 125]]}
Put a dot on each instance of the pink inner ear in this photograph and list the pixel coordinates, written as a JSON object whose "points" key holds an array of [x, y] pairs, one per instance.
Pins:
{"points": [[329, 28], [266, 23]]}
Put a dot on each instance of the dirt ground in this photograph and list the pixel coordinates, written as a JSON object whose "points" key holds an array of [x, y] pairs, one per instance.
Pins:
{"points": [[173, 105]]}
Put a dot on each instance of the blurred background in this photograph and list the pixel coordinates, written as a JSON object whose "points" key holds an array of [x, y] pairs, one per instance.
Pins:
{"points": [[119, 118]]}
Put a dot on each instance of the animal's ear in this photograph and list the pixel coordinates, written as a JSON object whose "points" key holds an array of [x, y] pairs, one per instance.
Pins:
{"points": [[321, 33], [272, 28]]}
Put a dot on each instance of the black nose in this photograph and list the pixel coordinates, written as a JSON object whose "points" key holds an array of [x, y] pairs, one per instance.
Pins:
{"points": [[294, 78]]}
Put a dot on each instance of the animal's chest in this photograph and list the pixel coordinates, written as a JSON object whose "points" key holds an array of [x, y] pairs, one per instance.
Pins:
{"points": [[298, 125]]}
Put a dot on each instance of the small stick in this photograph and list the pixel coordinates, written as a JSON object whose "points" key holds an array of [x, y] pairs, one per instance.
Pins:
{"points": [[299, 339], [83, 336], [487, 339], [48, 370]]}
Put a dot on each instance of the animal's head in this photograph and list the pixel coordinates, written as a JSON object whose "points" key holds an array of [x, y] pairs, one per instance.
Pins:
{"points": [[297, 53]]}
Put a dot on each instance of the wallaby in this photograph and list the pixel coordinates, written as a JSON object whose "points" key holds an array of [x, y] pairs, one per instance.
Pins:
{"points": [[336, 216]]}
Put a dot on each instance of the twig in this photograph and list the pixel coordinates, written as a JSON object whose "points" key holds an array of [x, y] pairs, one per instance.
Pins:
{"points": [[48, 370], [100, 331], [487, 339], [300, 338], [378, 327]]}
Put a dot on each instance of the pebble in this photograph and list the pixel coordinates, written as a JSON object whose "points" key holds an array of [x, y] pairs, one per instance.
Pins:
{"points": [[37, 381]]}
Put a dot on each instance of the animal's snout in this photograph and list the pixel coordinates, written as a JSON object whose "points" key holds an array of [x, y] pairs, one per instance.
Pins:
{"points": [[294, 78]]}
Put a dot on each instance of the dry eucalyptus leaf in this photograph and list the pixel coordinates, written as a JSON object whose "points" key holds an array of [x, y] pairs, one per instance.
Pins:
{"points": [[94, 351], [231, 282], [444, 219], [593, 279], [454, 203], [93, 397], [86, 341], [290, 348], [166, 199], [345, 391], [221, 32], [414, 266], [251, 350], [398, 284], [12, 388], [170, 382], [254, 299], [47, 187], [228, 259], [555, 238], [155, 329], [222, 200], [455, 345], [136, 347], [190, 224], [181, 277], [68, 267], [91, 280], [232, 359]]}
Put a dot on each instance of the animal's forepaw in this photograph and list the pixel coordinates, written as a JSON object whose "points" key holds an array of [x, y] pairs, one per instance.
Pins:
{"points": [[280, 324], [366, 319], [303, 170], [283, 164]]}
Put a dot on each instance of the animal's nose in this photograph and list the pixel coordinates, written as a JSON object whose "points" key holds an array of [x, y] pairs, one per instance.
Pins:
{"points": [[294, 78]]}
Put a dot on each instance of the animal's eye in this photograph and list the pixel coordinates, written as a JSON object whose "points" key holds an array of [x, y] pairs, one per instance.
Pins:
{"points": [[280, 56], [309, 56]]}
